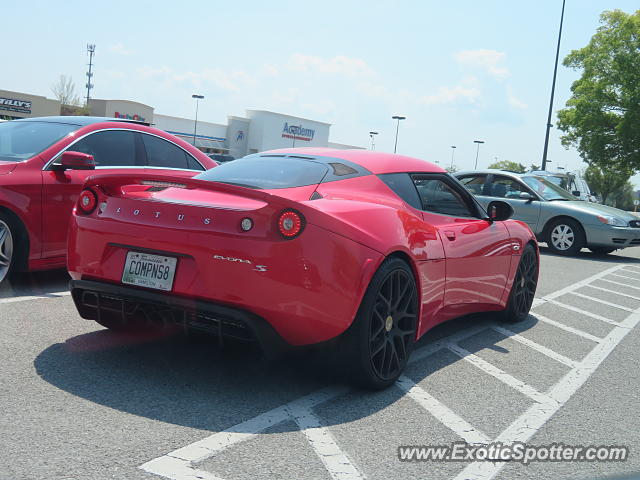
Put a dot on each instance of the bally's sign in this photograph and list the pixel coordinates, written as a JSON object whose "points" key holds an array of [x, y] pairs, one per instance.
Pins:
{"points": [[13, 105], [297, 132]]}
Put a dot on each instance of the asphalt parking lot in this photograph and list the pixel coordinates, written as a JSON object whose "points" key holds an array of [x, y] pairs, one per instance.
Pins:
{"points": [[80, 402]]}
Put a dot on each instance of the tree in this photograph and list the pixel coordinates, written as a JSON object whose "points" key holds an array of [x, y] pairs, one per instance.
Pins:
{"points": [[65, 91], [602, 116], [508, 165], [606, 182]]}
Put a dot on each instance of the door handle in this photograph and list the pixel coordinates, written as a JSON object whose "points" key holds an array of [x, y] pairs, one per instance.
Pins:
{"points": [[450, 234]]}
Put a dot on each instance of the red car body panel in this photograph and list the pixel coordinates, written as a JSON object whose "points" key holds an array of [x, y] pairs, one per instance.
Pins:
{"points": [[308, 288], [42, 200]]}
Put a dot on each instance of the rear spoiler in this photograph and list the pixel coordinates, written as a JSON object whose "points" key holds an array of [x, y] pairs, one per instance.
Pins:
{"points": [[112, 184]]}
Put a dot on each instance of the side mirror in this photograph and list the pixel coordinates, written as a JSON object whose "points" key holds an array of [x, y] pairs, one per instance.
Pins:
{"points": [[575, 193], [71, 160], [526, 196], [499, 211]]}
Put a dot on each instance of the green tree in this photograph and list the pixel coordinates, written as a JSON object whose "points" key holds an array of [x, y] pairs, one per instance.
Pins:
{"points": [[509, 165], [602, 117], [608, 183]]}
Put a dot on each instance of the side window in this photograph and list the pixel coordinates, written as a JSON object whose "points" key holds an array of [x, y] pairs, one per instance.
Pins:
{"points": [[439, 197], [505, 187], [161, 153], [403, 186], [474, 183], [111, 148], [193, 164]]}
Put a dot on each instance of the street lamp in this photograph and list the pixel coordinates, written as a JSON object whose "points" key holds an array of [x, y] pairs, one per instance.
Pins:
{"points": [[453, 153], [477, 151], [398, 118], [195, 125], [373, 145]]}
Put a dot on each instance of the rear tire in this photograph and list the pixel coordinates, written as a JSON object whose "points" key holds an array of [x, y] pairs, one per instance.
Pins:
{"points": [[523, 289], [378, 344], [602, 250], [565, 236], [8, 247]]}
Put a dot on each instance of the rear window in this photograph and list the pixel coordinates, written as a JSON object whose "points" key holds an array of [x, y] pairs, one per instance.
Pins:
{"points": [[267, 173], [21, 140]]}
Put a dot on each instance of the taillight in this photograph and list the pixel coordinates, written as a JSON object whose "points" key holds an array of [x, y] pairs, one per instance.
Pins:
{"points": [[290, 223], [87, 202]]}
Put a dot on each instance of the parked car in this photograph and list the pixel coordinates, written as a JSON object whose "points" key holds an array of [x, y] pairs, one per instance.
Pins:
{"points": [[572, 182], [45, 161], [558, 218], [298, 247], [220, 158]]}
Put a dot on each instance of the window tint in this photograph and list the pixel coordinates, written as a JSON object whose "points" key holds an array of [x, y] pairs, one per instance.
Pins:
{"points": [[21, 140], [474, 183], [438, 197], [267, 173], [193, 164], [161, 153], [403, 186], [505, 187], [112, 148]]}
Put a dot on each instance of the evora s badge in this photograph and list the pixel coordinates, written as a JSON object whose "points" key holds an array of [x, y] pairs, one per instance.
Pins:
{"points": [[256, 268]]}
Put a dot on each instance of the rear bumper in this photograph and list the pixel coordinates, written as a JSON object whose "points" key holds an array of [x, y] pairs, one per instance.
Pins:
{"points": [[98, 300], [613, 237]]}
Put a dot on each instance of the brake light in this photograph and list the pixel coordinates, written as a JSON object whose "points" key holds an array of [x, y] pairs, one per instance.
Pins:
{"points": [[87, 202], [290, 223]]}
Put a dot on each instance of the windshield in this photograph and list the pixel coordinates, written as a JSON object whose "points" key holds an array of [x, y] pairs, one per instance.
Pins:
{"points": [[267, 173], [559, 181], [21, 140], [547, 190]]}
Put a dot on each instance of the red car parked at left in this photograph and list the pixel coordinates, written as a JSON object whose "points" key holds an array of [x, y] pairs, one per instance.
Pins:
{"points": [[45, 161]]}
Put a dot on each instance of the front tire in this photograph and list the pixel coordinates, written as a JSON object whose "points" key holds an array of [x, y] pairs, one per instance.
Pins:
{"points": [[565, 236], [379, 342], [8, 257], [524, 287]]}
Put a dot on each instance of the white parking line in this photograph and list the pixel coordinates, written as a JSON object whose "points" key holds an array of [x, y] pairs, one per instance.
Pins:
{"points": [[443, 414], [634, 272], [623, 276], [604, 302], [567, 328], [614, 292], [27, 298], [535, 346], [585, 312], [618, 283]]}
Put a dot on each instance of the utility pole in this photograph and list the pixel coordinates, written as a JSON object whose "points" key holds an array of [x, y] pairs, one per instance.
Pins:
{"points": [[91, 50], [553, 88]]}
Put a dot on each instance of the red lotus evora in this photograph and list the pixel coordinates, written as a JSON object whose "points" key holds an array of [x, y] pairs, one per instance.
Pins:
{"points": [[297, 247]]}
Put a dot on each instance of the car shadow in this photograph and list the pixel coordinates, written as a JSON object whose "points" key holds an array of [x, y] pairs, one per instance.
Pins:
{"points": [[193, 382], [35, 283], [617, 256]]}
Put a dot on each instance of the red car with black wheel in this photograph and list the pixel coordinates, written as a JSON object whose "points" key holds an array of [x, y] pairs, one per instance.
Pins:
{"points": [[299, 247], [45, 161]]}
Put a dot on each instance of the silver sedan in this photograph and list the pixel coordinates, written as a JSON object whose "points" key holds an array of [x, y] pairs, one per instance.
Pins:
{"points": [[564, 222]]}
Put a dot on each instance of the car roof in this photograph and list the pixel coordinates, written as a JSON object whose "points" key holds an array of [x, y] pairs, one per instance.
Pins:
{"points": [[488, 171], [80, 121], [375, 162]]}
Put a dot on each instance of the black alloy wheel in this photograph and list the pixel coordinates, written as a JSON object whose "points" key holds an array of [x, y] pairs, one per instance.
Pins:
{"points": [[378, 344], [524, 287]]}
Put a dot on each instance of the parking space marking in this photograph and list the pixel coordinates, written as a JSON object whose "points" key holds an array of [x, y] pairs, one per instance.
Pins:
{"points": [[615, 292], [634, 272], [567, 328], [585, 312], [442, 413], [604, 302], [181, 463], [27, 298], [618, 283], [535, 346], [624, 276]]}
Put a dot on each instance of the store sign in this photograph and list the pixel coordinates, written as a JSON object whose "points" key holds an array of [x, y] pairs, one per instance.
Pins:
{"points": [[126, 116], [13, 105], [297, 132]]}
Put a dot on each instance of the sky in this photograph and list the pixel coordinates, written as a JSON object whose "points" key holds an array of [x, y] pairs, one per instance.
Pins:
{"points": [[459, 71]]}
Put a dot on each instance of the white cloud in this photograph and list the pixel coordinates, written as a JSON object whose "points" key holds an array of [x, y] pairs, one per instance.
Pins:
{"points": [[457, 93], [489, 60], [120, 49], [514, 101], [339, 65]]}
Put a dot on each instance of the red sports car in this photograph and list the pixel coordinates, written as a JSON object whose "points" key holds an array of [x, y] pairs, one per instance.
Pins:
{"points": [[298, 247], [45, 161]]}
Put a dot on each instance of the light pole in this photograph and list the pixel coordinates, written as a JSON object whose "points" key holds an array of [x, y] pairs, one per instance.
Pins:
{"points": [[477, 151], [398, 118], [373, 145], [453, 153], [553, 88], [195, 125]]}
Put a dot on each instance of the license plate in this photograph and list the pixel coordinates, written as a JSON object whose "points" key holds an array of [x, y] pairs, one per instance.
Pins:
{"points": [[150, 271]]}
